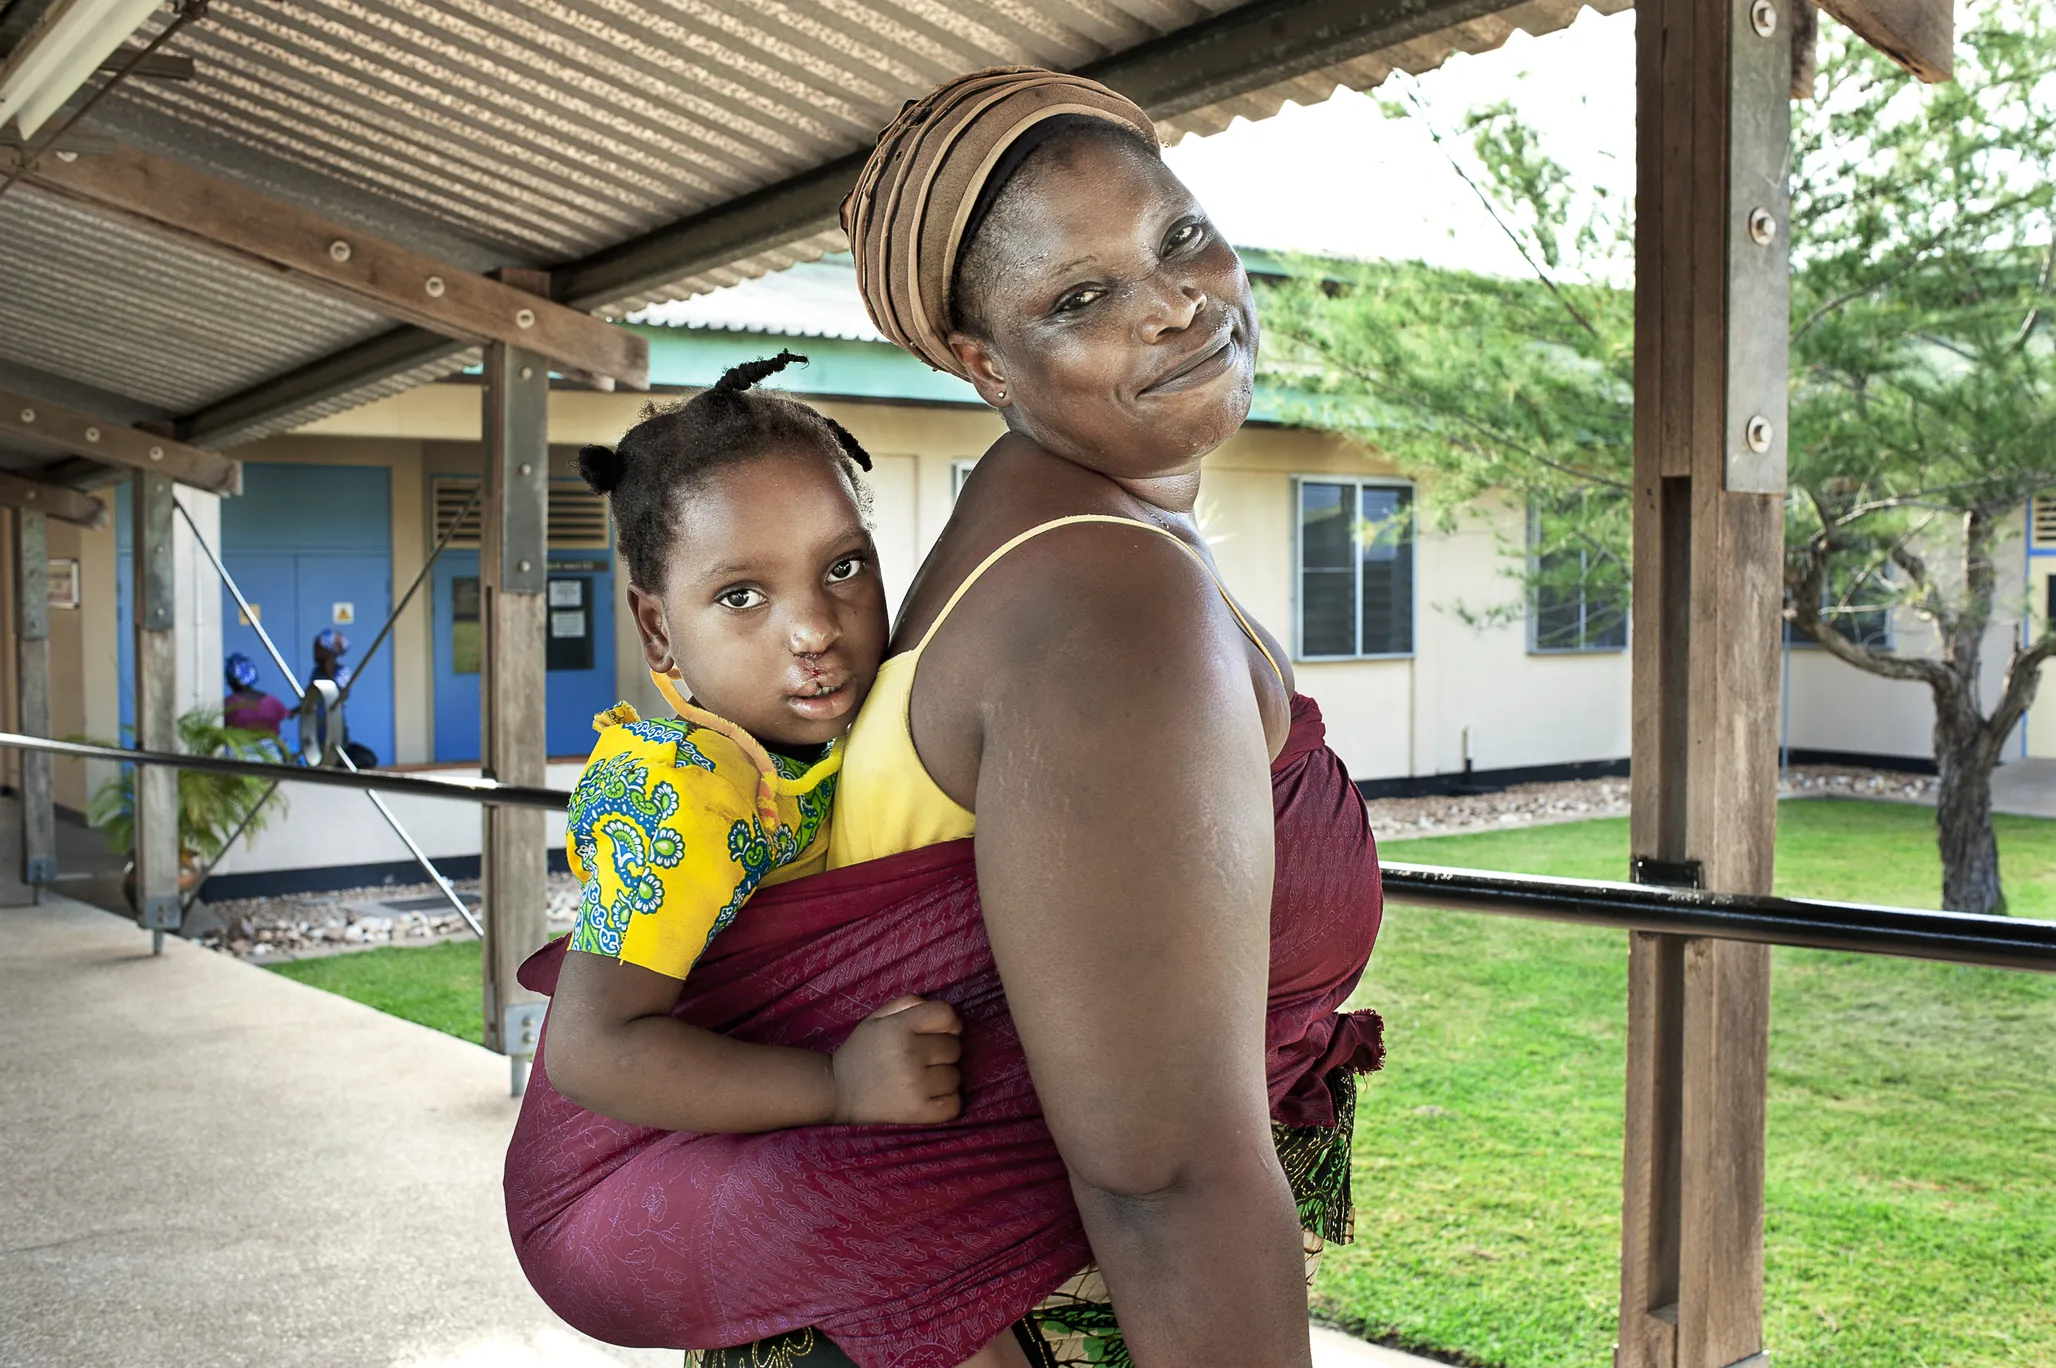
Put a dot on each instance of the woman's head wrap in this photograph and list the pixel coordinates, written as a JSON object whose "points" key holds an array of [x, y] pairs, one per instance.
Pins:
{"points": [[908, 217]]}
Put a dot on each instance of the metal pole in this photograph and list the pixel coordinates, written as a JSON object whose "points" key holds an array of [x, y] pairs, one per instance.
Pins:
{"points": [[490, 792]]}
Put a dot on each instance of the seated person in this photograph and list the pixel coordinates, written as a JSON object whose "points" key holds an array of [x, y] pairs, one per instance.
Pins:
{"points": [[246, 706]]}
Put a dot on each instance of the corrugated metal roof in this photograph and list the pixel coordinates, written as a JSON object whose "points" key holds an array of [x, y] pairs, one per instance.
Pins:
{"points": [[145, 315], [810, 299], [531, 134]]}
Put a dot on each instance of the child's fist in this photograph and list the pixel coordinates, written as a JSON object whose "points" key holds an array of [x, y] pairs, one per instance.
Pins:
{"points": [[899, 1067]]}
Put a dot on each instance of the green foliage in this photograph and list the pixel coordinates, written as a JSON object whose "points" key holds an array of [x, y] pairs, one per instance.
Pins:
{"points": [[1485, 386], [210, 806], [1923, 389], [1912, 1136], [1922, 368]]}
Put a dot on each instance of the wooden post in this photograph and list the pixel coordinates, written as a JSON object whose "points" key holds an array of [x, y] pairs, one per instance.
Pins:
{"points": [[32, 671], [1710, 374], [156, 662], [513, 576]]}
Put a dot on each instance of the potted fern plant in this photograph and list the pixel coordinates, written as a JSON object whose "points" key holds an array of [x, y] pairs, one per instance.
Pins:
{"points": [[210, 806]]}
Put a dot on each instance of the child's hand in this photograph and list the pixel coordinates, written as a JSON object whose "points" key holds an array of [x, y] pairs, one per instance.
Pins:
{"points": [[900, 1065]]}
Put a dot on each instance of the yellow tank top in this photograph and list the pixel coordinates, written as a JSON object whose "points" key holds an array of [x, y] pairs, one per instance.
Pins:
{"points": [[887, 804]]}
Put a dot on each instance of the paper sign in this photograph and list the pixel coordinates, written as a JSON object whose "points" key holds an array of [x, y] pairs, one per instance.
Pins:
{"points": [[567, 624], [566, 593], [343, 614]]}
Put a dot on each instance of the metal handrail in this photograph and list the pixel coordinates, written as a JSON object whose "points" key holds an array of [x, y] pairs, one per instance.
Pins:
{"points": [[1863, 928], [1860, 928], [489, 791]]}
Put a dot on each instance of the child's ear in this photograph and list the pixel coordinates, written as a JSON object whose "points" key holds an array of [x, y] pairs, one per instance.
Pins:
{"points": [[648, 611]]}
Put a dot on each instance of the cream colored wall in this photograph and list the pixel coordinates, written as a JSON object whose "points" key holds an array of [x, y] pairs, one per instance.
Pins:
{"points": [[85, 678], [1405, 717]]}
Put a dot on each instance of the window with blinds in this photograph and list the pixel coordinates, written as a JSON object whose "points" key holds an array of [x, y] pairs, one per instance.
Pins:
{"points": [[577, 519], [2043, 519], [1355, 551]]}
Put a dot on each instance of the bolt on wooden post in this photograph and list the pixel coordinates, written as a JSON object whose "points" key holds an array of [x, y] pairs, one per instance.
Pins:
{"points": [[513, 576]]}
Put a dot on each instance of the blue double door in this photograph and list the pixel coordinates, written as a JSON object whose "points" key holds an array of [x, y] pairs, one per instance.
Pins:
{"points": [[311, 548], [577, 649]]}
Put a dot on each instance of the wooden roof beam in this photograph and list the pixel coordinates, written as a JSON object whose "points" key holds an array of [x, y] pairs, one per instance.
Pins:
{"points": [[224, 217], [68, 504], [98, 439], [1919, 35]]}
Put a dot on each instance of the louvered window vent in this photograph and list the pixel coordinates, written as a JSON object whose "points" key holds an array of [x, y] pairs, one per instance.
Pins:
{"points": [[578, 517]]}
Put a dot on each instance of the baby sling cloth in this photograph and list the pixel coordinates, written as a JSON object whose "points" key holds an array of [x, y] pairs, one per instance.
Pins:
{"points": [[909, 1246]]}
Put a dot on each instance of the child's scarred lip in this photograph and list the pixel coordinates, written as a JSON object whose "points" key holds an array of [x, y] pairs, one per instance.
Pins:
{"points": [[823, 698]]}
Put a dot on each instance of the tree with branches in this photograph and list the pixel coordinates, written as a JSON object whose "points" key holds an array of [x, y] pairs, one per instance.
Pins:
{"points": [[1923, 380]]}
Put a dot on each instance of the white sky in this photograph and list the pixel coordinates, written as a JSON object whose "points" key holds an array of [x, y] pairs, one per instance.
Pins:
{"points": [[1339, 178]]}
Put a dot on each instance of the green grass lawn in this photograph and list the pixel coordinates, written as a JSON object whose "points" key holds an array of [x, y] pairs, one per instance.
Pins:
{"points": [[1912, 1181], [437, 985]]}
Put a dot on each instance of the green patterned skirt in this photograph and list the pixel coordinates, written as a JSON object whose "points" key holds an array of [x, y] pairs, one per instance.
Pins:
{"points": [[1074, 1327]]}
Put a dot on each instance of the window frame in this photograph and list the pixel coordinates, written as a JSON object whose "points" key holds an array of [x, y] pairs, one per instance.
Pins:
{"points": [[1533, 614], [1296, 512]]}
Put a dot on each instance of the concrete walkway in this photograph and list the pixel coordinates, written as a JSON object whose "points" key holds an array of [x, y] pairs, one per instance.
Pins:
{"points": [[207, 1164]]}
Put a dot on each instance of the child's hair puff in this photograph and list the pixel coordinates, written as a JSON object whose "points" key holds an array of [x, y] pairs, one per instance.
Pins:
{"points": [[671, 448]]}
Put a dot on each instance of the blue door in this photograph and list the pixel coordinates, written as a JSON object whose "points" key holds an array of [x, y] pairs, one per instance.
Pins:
{"points": [[311, 547], [577, 646]]}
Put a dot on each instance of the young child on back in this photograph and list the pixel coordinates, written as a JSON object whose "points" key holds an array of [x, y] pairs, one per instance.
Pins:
{"points": [[754, 585]]}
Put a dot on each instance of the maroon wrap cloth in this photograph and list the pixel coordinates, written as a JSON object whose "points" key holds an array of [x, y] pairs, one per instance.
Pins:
{"points": [[910, 1247]]}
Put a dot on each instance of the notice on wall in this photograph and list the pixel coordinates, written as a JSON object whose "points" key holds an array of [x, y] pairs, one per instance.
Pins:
{"points": [[567, 624], [254, 615], [343, 614], [64, 582], [566, 593]]}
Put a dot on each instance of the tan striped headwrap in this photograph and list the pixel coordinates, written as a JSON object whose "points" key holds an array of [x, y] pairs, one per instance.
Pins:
{"points": [[907, 215]]}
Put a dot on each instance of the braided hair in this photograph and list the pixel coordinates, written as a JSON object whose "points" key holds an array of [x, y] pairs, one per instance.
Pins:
{"points": [[671, 449]]}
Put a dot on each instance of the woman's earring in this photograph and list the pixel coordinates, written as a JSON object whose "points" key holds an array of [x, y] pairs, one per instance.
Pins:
{"points": [[1001, 396]]}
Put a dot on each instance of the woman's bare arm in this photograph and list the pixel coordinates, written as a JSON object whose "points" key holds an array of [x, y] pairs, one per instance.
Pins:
{"points": [[1124, 860], [614, 1048]]}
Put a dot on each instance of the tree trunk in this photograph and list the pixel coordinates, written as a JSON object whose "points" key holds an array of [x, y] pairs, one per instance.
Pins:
{"points": [[1963, 816]]}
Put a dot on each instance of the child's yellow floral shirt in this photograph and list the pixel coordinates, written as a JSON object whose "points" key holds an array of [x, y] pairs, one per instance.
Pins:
{"points": [[673, 825]]}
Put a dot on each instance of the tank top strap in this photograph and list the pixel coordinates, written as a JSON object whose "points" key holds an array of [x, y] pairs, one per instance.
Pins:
{"points": [[1010, 543]]}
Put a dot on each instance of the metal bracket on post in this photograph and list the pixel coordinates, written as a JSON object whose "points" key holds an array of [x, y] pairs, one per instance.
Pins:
{"points": [[321, 725], [521, 1027], [1759, 282]]}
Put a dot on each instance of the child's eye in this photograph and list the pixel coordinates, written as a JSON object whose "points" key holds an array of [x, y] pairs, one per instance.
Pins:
{"points": [[1079, 299], [847, 568], [740, 598]]}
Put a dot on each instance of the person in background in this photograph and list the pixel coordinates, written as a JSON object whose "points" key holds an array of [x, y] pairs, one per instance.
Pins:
{"points": [[330, 646], [247, 706]]}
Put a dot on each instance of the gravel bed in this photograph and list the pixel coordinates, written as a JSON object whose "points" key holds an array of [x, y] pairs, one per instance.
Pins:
{"points": [[1576, 800], [306, 924]]}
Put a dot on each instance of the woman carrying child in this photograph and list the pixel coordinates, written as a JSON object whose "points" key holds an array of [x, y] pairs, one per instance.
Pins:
{"points": [[1177, 883]]}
